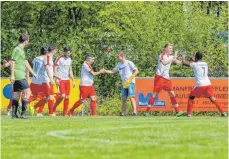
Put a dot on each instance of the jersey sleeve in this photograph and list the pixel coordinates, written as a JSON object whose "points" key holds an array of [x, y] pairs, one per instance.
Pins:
{"points": [[47, 60], [86, 67], [161, 56], [15, 55], [116, 68], [25, 57], [57, 62], [192, 64], [33, 62], [132, 66]]}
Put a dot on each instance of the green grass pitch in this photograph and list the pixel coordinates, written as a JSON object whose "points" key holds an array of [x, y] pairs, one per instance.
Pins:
{"points": [[114, 138]]}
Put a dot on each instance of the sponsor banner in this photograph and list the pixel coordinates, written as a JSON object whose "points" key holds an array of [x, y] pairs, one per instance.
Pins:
{"points": [[6, 94], [182, 88]]}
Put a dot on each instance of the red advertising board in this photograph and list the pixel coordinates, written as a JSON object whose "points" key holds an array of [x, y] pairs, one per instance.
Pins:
{"points": [[182, 88]]}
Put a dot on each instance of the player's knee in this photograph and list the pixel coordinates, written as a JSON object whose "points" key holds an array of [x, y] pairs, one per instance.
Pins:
{"points": [[212, 99], [27, 94], [93, 98], [191, 97], [63, 96], [67, 97], [16, 97], [51, 97], [171, 94], [155, 94], [46, 99], [124, 99]]}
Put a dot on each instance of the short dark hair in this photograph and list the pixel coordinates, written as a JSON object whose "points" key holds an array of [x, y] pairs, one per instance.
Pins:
{"points": [[67, 48], [51, 48], [198, 56], [89, 55], [168, 44], [23, 37], [43, 50]]}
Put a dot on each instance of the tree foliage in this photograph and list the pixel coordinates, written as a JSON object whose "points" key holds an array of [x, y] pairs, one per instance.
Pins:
{"points": [[141, 29]]}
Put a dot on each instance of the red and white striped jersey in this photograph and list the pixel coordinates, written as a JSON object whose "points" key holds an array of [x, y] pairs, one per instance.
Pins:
{"points": [[163, 70], [87, 79], [48, 61], [64, 64]]}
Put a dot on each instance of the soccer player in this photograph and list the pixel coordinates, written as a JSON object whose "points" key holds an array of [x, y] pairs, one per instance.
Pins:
{"points": [[127, 70], [86, 85], [48, 81], [203, 87], [162, 80], [17, 77], [5, 65], [36, 84], [62, 71]]}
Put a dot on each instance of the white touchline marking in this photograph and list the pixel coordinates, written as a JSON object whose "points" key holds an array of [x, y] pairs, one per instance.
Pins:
{"points": [[63, 134]]}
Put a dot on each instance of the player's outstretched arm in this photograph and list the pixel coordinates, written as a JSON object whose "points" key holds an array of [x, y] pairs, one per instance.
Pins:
{"points": [[97, 73], [184, 62], [178, 62], [165, 62], [110, 71]]}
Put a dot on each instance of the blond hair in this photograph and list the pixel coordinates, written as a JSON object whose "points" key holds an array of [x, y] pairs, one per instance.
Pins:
{"points": [[121, 53]]}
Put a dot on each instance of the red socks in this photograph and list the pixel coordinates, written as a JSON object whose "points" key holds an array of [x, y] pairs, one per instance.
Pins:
{"points": [[218, 106], [77, 104], [50, 106], [190, 106], [58, 101], [151, 102], [66, 103], [32, 98], [40, 110], [40, 103], [174, 103], [93, 107]]}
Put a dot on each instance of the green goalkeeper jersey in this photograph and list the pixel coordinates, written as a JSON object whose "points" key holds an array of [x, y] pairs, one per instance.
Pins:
{"points": [[18, 56]]}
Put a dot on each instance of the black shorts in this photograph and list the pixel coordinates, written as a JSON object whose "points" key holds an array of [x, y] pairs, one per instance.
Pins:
{"points": [[20, 85]]}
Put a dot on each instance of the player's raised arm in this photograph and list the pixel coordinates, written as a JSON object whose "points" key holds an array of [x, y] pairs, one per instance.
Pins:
{"points": [[184, 62], [167, 61], [176, 61]]}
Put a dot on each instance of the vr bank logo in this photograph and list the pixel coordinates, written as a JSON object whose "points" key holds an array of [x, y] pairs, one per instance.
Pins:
{"points": [[143, 101]]}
